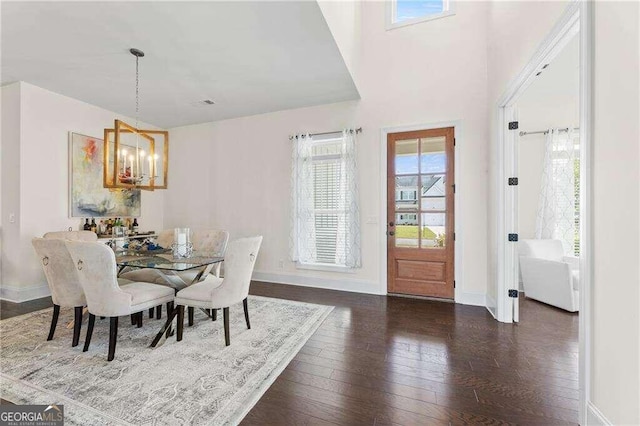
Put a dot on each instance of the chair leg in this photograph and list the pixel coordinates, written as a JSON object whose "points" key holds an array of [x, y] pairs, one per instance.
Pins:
{"points": [[87, 340], [245, 304], [191, 311], [54, 321], [151, 312], [214, 314], [139, 321], [225, 314], [158, 311], [180, 323], [134, 319], [77, 324], [113, 336], [102, 318]]}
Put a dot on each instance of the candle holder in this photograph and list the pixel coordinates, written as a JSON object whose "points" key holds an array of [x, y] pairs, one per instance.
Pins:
{"points": [[181, 247]]}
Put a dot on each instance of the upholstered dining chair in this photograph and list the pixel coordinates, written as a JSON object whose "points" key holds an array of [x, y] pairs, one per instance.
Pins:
{"points": [[212, 242], [72, 235], [63, 281], [96, 266], [220, 293]]}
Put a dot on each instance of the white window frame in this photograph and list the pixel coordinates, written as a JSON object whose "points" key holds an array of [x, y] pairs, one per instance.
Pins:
{"points": [[391, 9]]}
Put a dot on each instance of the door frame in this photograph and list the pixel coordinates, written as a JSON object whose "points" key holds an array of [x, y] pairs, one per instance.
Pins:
{"points": [[459, 295], [577, 18]]}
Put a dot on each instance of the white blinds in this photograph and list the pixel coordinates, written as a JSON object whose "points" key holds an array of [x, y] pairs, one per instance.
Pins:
{"points": [[325, 214]]}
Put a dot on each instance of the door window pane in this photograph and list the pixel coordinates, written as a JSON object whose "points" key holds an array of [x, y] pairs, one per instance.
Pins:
{"points": [[433, 230], [407, 157], [433, 186], [407, 230], [407, 193], [433, 157]]}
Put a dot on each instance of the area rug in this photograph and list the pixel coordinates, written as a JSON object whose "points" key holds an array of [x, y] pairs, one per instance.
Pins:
{"points": [[196, 381]]}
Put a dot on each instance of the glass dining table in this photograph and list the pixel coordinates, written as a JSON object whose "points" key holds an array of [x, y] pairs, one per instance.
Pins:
{"points": [[163, 261]]}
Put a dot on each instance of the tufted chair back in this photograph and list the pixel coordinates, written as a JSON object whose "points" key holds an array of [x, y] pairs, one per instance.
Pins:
{"points": [[61, 273], [72, 235], [239, 262], [96, 266]]}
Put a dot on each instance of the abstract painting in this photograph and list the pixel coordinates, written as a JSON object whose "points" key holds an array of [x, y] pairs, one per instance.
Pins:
{"points": [[88, 197]]}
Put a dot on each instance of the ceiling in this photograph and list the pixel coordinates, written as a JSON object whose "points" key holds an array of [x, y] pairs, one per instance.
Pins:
{"points": [[559, 83], [248, 57]]}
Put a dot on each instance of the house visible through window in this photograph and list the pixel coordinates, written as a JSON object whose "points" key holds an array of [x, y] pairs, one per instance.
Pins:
{"points": [[405, 12], [325, 205]]}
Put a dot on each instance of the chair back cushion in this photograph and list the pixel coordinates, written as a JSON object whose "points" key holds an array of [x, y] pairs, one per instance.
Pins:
{"points": [[541, 249], [239, 261], [213, 242], [72, 235], [61, 273], [96, 266], [165, 238]]}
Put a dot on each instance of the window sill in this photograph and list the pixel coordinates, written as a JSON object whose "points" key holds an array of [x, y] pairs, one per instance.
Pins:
{"points": [[395, 25], [325, 267]]}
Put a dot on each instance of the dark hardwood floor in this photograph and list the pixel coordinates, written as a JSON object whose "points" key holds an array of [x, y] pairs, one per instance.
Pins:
{"points": [[389, 360]]}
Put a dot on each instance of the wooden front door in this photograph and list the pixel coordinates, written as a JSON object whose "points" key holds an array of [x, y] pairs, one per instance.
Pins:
{"points": [[420, 226]]}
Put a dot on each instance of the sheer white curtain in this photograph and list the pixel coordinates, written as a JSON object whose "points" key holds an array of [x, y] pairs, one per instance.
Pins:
{"points": [[325, 214], [557, 202], [303, 223], [348, 236]]}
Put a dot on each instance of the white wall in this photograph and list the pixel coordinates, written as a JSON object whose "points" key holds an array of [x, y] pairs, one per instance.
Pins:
{"points": [[615, 352], [38, 192], [424, 73], [615, 344]]}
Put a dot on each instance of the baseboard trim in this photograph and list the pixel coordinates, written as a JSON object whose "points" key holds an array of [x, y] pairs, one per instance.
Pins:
{"points": [[346, 284], [595, 416], [24, 294], [491, 303], [474, 299]]}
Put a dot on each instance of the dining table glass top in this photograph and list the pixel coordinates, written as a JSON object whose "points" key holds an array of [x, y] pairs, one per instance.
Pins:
{"points": [[164, 260]]}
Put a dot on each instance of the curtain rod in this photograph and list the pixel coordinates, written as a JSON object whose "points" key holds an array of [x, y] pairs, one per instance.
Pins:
{"points": [[544, 132], [358, 130]]}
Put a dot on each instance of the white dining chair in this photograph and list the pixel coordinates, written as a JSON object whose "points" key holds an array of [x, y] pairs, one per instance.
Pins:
{"points": [[97, 271], [63, 281], [220, 293]]}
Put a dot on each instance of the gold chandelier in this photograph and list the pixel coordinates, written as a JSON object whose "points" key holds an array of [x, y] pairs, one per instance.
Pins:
{"points": [[135, 158]]}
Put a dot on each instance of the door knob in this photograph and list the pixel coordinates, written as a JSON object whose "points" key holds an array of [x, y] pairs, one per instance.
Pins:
{"points": [[391, 233], [391, 224]]}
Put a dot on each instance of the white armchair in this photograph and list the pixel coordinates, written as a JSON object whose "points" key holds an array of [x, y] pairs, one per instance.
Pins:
{"points": [[548, 275]]}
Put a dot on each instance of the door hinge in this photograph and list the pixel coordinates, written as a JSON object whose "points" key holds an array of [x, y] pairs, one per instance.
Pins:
{"points": [[513, 181], [454, 141], [454, 188], [454, 236], [513, 293], [513, 237], [513, 125], [454, 283]]}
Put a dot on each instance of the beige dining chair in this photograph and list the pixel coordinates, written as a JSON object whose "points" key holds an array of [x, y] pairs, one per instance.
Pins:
{"points": [[63, 281], [72, 235], [221, 293], [96, 266], [210, 242]]}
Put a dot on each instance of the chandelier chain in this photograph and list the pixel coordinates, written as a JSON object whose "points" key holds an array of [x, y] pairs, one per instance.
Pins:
{"points": [[137, 90]]}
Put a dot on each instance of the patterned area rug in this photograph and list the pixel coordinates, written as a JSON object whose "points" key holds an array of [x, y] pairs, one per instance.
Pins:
{"points": [[196, 381]]}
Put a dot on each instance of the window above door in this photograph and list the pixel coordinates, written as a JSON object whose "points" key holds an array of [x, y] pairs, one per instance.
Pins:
{"points": [[401, 13]]}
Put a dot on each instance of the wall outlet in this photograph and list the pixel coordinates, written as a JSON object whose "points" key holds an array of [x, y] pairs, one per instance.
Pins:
{"points": [[281, 264], [12, 218]]}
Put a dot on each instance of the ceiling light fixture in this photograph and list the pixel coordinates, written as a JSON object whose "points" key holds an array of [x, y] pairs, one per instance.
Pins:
{"points": [[135, 158]]}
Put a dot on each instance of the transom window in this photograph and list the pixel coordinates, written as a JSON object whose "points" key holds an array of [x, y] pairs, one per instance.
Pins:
{"points": [[407, 12]]}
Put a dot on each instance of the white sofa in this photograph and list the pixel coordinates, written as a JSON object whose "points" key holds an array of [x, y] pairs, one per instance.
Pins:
{"points": [[548, 275]]}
